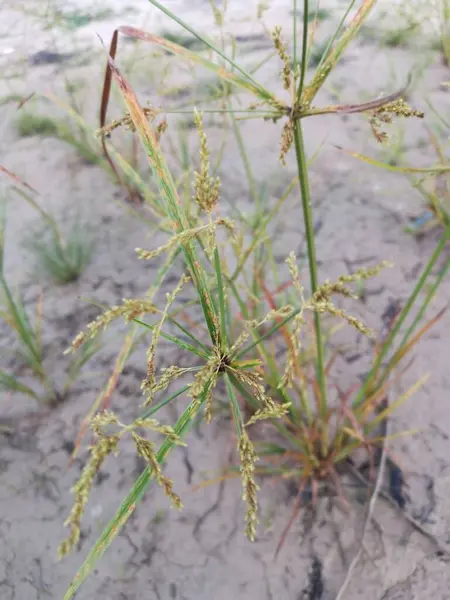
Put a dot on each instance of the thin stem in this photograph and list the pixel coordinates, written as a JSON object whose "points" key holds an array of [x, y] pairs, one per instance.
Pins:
{"points": [[153, 409], [234, 405], [190, 111], [245, 161], [304, 47], [259, 340], [309, 230], [222, 303], [294, 33], [336, 33]]}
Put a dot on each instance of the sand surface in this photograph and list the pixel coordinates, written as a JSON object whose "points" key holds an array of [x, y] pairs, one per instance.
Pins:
{"points": [[201, 552]]}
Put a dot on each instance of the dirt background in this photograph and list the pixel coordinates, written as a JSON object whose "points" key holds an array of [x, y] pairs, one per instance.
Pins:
{"points": [[360, 213]]}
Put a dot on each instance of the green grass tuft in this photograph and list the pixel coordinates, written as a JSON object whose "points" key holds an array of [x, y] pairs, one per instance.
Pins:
{"points": [[30, 124], [64, 260]]}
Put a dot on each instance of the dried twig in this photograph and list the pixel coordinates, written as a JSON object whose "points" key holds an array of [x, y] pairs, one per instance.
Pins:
{"points": [[368, 518], [411, 520]]}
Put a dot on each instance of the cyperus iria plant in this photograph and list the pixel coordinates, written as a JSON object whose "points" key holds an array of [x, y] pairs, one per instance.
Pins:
{"points": [[236, 350]]}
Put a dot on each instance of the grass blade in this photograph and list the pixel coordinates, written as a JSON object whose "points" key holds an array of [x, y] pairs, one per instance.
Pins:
{"points": [[106, 91], [169, 196], [393, 168], [235, 410], [155, 407], [221, 294], [259, 90], [246, 83], [180, 343], [333, 57], [11, 384]]}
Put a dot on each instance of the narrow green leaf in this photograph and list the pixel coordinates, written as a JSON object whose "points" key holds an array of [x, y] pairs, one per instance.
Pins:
{"points": [[263, 93], [154, 408], [180, 343], [268, 333], [429, 296], [246, 83], [393, 168], [221, 293], [169, 195], [188, 333], [334, 56], [234, 404], [10, 383]]}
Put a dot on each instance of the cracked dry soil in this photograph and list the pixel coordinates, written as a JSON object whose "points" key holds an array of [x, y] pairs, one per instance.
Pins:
{"points": [[201, 552]]}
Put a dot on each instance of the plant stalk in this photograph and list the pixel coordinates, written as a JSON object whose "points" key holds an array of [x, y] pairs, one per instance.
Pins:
{"points": [[312, 261]]}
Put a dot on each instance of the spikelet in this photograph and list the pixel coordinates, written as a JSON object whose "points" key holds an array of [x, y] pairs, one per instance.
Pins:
{"points": [[385, 115], [105, 446], [149, 382], [205, 381], [249, 494], [146, 449], [127, 122], [280, 46], [129, 309], [206, 187]]}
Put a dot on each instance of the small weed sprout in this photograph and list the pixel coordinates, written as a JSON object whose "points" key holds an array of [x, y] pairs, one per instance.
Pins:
{"points": [[29, 349], [62, 259]]}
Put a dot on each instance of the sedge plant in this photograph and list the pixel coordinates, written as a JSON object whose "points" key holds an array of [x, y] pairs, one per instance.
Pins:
{"points": [[313, 434]]}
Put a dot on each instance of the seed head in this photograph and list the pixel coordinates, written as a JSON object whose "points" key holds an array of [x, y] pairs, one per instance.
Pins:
{"points": [[105, 446], [286, 73], [206, 187], [386, 113], [249, 495], [146, 449], [129, 309]]}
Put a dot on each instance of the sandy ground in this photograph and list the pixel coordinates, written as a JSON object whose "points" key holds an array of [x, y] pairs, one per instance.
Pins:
{"points": [[201, 552]]}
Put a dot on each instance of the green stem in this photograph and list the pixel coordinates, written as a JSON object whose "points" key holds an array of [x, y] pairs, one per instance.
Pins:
{"points": [[294, 34], [245, 161], [309, 230], [304, 47]]}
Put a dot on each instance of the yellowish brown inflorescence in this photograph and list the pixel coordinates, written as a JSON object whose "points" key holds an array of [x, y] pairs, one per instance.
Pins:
{"points": [[160, 129], [322, 302], [146, 449], [386, 113], [287, 138], [127, 122], [103, 448], [148, 385], [280, 46], [249, 495], [129, 309], [298, 321], [206, 187], [107, 443], [322, 299]]}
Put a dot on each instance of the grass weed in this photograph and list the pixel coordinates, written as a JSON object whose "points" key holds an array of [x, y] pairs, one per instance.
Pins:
{"points": [[269, 351], [62, 258], [32, 124]]}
